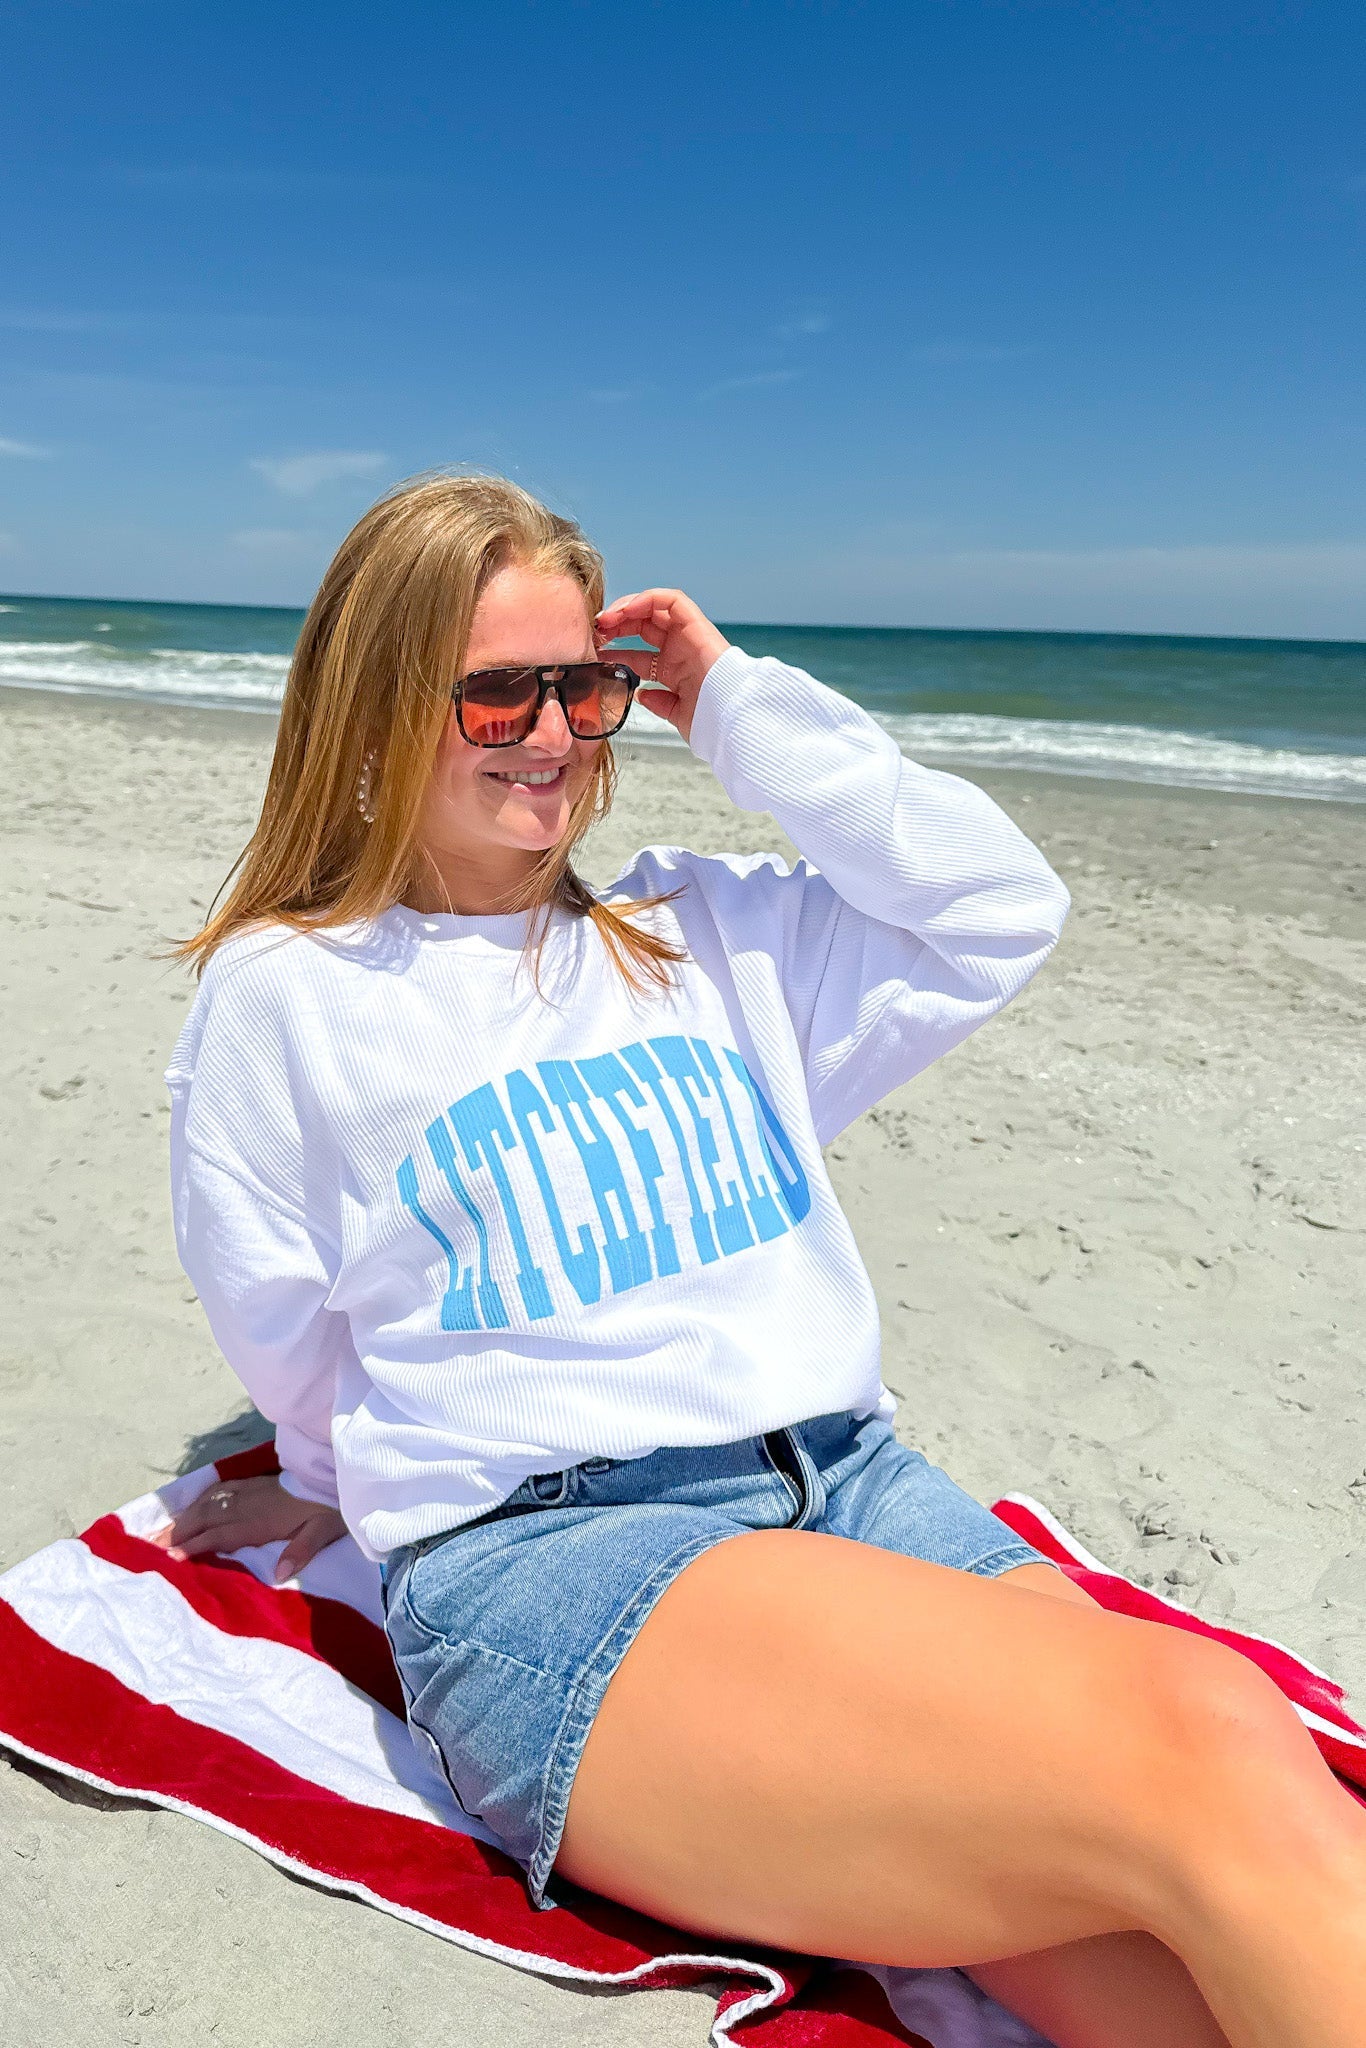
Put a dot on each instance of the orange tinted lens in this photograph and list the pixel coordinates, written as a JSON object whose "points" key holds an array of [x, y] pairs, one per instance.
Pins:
{"points": [[498, 708], [597, 697]]}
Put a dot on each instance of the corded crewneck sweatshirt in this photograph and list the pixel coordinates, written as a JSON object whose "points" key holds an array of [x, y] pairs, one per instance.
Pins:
{"points": [[450, 1230]]}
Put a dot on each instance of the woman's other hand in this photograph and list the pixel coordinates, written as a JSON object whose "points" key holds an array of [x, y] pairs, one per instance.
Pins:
{"points": [[239, 1514], [686, 644]]}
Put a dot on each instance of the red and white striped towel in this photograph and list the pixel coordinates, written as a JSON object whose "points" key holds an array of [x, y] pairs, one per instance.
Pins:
{"points": [[274, 1714]]}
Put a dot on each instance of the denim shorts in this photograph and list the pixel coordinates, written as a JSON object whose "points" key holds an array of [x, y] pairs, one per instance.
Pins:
{"points": [[507, 1630]]}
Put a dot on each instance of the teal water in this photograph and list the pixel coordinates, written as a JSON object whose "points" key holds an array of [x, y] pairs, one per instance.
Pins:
{"points": [[1284, 717]]}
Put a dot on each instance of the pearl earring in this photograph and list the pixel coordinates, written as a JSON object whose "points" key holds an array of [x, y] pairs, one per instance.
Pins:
{"points": [[364, 793]]}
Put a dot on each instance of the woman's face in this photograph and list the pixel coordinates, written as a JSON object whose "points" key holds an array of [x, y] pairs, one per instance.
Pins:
{"points": [[482, 811]]}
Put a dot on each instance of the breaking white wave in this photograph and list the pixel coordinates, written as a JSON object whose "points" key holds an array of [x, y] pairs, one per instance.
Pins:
{"points": [[163, 675], [1131, 753], [1128, 753], [1108, 753]]}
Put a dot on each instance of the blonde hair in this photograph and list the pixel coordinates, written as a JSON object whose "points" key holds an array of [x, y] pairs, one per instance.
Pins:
{"points": [[370, 682]]}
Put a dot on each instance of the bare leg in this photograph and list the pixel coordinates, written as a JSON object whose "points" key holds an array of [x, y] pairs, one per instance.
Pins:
{"points": [[1116, 1990], [819, 1745]]}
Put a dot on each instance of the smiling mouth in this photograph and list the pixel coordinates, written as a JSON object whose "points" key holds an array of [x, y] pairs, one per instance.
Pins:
{"points": [[529, 778]]}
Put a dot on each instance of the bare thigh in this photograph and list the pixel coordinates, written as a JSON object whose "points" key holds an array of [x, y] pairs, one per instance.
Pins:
{"points": [[1042, 1578], [828, 1747]]}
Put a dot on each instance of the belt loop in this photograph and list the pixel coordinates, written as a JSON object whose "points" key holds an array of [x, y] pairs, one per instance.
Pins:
{"points": [[554, 1489]]}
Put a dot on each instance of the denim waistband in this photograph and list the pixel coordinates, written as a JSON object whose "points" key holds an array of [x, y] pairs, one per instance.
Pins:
{"points": [[800, 1453]]}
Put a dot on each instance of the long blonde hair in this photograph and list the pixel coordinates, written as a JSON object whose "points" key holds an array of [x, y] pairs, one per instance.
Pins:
{"points": [[371, 682]]}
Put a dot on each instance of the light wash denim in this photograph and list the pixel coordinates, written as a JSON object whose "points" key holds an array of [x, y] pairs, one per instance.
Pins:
{"points": [[507, 1631]]}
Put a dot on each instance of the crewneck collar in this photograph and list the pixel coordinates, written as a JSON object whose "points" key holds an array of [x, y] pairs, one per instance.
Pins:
{"points": [[503, 933]]}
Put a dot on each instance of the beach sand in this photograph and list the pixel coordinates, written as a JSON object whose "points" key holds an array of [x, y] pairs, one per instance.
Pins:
{"points": [[1118, 1239]]}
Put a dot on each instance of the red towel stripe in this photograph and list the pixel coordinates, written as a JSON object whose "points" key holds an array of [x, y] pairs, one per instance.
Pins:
{"points": [[258, 1461], [234, 1600], [71, 1712]]}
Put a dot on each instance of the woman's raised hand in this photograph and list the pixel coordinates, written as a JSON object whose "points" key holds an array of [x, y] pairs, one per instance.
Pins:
{"points": [[686, 644], [238, 1514]]}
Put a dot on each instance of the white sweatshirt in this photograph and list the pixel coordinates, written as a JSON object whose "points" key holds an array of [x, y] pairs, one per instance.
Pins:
{"points": [[449, 1232]]}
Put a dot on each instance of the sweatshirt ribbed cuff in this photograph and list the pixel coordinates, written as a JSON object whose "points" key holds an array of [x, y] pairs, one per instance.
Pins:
{"points": [[728, 679]]}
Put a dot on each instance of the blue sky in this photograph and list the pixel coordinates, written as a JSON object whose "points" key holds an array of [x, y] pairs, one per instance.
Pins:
{"points": [[912, 313]]}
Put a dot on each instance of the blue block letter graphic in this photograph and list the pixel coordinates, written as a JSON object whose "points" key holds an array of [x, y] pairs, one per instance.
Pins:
{"points": [[582, 1268], [610, 1082], [627, 1249], [457, 1307], [491, 1309], [644, 1063], [794, 1192], [675, 1055], [764, 1212], [485, 1134]]}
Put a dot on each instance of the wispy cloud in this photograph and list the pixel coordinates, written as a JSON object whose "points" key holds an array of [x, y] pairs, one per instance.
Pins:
{"points": [[28, 451], [950, 352], [298, 476], [761, 380], [813, 322]]}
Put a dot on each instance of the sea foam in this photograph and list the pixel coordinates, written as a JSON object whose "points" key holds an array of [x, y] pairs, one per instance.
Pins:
{"points": [[1108, 753]]}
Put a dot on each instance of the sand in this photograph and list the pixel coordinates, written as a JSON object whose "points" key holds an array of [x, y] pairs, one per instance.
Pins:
{"points": [[1118, 1239]]}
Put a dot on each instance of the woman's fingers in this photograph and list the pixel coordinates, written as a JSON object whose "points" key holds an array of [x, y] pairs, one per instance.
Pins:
{"points": [[202, 1517], [231, 1534], [316, 1534], [237, 1515], [244, 1514], [663, 703], [639, 604], [653, 614]]}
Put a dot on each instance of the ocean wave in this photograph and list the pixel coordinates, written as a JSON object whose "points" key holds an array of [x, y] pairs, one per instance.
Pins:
{"points": [[1106, 753], [1128, 753], [161, 675]]}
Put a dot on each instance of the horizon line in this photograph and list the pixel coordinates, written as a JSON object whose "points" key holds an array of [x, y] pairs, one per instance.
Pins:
{"points": [[760, 625]]}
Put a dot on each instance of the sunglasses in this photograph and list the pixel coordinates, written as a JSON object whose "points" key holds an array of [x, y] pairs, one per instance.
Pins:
{"points": [[498, 707]]}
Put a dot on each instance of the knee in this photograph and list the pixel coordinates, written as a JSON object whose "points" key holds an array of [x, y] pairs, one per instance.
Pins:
{"points": [[1214, 1714], [1239, 1772]]}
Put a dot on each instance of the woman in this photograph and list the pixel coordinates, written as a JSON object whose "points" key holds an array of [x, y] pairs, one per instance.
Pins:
{"points": [[506, 1202]]}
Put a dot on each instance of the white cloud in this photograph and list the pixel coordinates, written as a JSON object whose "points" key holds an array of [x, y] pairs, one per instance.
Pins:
{"points": [[761, 380], [28, 450], [297, 476]]}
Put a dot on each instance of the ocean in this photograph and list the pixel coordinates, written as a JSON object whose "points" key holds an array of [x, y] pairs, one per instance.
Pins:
{"points": [[1279, 717]]}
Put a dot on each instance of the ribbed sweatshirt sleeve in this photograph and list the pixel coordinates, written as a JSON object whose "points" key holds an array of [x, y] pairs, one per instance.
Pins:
{"points": [[246, 1240], [919, 908]]}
